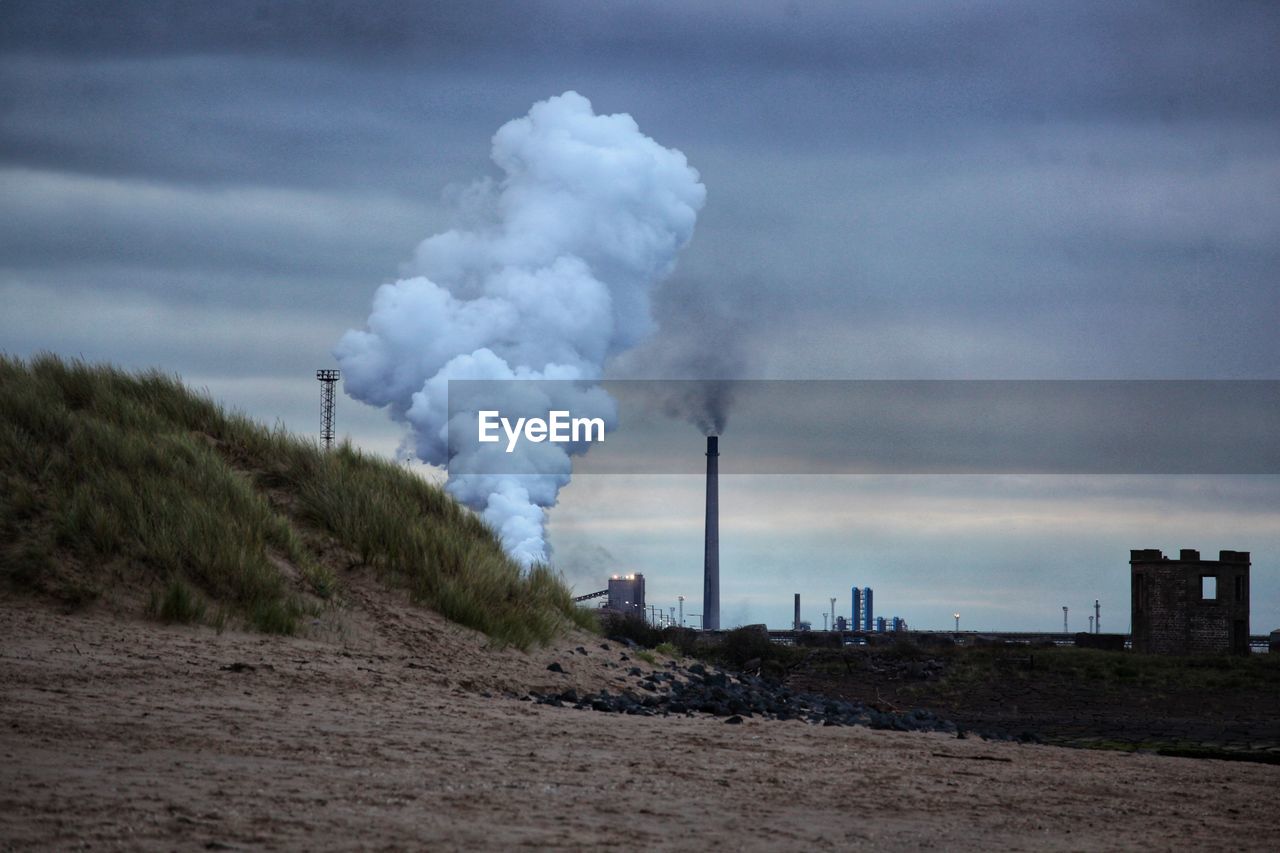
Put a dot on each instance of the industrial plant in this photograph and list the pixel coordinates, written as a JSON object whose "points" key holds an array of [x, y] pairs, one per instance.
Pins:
{"points": [[1184, 606]]}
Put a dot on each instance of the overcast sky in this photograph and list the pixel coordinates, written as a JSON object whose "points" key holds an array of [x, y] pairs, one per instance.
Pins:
{"points": [[894, 190]]}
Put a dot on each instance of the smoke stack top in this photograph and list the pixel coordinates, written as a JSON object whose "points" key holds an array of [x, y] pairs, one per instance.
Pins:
{"points": [[703, 402]]}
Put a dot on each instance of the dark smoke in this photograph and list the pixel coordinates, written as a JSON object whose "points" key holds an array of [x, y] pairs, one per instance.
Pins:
{"points": [[704, 403], [706, 332]]}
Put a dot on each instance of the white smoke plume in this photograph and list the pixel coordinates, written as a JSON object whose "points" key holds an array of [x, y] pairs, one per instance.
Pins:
{"points": [[554, 280]]}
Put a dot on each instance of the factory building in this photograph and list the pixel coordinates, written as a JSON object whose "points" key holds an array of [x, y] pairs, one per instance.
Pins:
{"points": [[626, 594]]}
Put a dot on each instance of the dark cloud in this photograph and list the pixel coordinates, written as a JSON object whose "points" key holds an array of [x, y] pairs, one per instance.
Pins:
{"points": [[1091, 177]]}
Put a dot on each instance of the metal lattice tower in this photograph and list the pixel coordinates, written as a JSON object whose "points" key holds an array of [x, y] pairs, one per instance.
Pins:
{"points": [[327, 379]]}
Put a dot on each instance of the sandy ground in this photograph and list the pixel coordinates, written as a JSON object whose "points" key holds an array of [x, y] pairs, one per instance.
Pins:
{"points": [[122, 734]]}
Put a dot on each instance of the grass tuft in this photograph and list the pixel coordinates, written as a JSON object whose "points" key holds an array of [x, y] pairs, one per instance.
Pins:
{"points": [[178, 602]]}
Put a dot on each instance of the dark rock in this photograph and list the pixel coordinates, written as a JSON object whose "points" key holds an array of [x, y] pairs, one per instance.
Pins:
{"points": [[555, 667], [720, 694], [734, 720]]}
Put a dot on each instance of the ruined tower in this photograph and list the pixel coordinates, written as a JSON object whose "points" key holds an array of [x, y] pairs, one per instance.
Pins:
{"points": [[1190, 605]]}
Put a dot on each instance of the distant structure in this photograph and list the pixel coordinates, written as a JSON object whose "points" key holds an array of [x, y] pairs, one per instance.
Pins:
{"points": [[711, 540], [1189, 605], [880, 625], [857, 609], [842, 624], [327, 379], [868, 615], [795, 623], [626, 595]]}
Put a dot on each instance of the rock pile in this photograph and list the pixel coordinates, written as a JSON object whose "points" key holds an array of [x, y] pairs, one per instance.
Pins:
{"points": [[699, 689]]}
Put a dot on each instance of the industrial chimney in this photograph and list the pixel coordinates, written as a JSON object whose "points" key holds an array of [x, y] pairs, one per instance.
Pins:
{"points": [[711, 553]]}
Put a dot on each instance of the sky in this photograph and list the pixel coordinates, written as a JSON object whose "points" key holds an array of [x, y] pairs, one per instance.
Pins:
{"points": [[894, 190]]}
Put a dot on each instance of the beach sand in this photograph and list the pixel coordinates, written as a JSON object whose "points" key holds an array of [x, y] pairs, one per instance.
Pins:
{"points": [[376, 733]]}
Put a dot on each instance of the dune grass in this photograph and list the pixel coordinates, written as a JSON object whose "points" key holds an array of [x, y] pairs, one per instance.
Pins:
{"points": [[114, 481]]}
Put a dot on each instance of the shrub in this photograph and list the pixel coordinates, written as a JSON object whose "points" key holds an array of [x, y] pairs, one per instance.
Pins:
{"points": [[177, 603], [618, 626], [745, 644]]}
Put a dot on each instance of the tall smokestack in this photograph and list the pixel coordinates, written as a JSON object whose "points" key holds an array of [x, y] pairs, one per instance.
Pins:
{"points": [[795, 625], [711, 553]]}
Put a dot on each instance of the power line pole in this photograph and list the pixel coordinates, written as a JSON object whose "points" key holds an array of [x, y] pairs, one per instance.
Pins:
{"points": [[327, 379]]}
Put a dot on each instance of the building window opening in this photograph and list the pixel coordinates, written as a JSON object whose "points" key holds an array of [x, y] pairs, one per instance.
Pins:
{"points": [[1208, 588], [1239, 587]]}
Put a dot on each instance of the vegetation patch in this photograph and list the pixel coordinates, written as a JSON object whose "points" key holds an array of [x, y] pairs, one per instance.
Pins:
{"points": [[113, 481]]}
